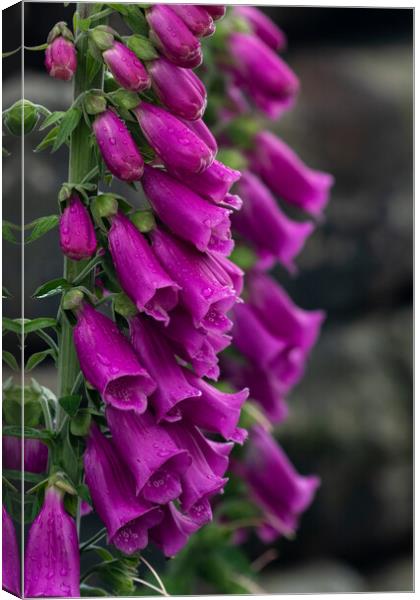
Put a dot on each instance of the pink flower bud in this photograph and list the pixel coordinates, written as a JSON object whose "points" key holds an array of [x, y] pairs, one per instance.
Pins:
{"points": [[126, 68], [77, 235], [196, 18], [61, 59]]}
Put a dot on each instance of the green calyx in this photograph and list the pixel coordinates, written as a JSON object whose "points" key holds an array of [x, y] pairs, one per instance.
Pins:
{"points": [[105, 205], [73, 299], [103, 37], [60, 29], [94, 103]]}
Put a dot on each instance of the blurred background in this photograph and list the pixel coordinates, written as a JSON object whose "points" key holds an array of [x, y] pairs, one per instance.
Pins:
{"points": [[351, 417]]}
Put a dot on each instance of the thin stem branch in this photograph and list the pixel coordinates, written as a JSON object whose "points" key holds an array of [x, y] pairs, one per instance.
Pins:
{"points": [[151, 586], [155, 573], [95, 538]]}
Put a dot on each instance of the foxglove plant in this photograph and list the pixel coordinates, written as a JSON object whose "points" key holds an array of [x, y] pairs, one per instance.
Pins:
{"points": [[138, 436]]}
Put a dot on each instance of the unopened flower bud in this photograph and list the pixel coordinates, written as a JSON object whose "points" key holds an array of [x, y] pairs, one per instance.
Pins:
{"points": [[22, 117], [143, 220], [126, 68], [77, 234], [61, 59], [196, 18]]}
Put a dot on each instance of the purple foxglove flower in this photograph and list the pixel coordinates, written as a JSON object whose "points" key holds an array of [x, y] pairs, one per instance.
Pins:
{"points": [[61, 59], [109, 363], [206, 289], [148, 450], [203, 132], [215, 411], [77, 234], [262, 73], [189, 216], [180, 90], [261, 346], [216, 11], [155, 352], [126, 68], [213, 184], [172, 36], [280, 315], [235, 274], [10, 556], [275, 486], [195, 345], [176, 144], [117, 147], [52, 562], [287, 176], [174, 531], [35, 454], [126, 517], [139, 272], [263, 27], [204, 478], [196, 18], [262, 223]]}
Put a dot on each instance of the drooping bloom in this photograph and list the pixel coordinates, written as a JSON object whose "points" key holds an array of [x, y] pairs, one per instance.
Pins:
{"points": [[52, 562], [10, 556], [186, 214], [213, 184], [61, 59], [155, 353], [287, 176], [117, 147], [150, 453], [139, 272], [77, 234], [172, 36], [35, 454], [126, 68], [207, 291], [215, 411], [263, 26], [276, 487], [180, 90], [216, 11], [262, 223], [176, 144], [196, 18], [195, 345], [174, 531], [109, 363], [258, 70], [126, 517]]}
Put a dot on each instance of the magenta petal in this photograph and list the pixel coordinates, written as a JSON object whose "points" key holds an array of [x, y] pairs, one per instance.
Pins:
{"points": [[77, 234], [213, 184], [10, 556], [52, 563], [109, 363], [126, 68], [196, 18], [174, 531], [139, 272], [35, 453]]}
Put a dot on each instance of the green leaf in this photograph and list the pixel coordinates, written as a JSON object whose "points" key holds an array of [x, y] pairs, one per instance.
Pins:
{"points": [[87, 591], [53, 118], [142, 47], [136, 20], [83, 493], [6, 293], [41, 226], [10, 360], [70, 404], [37, 358], [68, 124], [80, 424], [48, 140], [30, 326], [14, 325], [17, 476], [51, 288], [28, 432], [7, 231]]}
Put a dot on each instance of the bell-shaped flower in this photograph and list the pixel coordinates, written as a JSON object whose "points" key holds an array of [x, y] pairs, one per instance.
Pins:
{"points": [[235, 273], [35, 454], [176, 144], [215, 411], [196, 18], [52, 560], [141, 276], [213, 183], [287, 176], [262, 26], [10, 555], [126, 68], [179, 90], [207, 291], [262, 223], [77, 234], [174, 531], [172, 36], [148, 450], [190, 217], [109, 363], [275, 486], [118, 149], [126, 517], [156, 354], [61, 59]]}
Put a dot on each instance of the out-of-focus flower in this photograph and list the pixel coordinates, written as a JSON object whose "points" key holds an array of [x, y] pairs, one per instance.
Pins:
{"points": [[126, 68], [109, 363], [196, 18], [117, 147], [287, 176], [139, 272], [35, 454], [127, 517], [77, 234], [52, 562], [10, 555], [61, 59], [263, 26]]}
